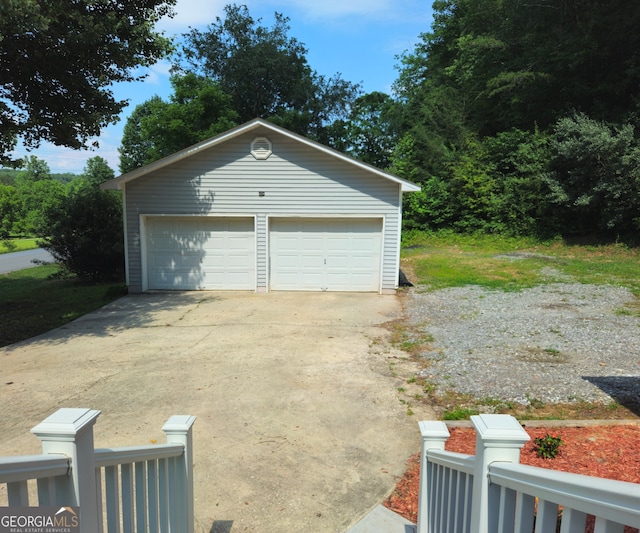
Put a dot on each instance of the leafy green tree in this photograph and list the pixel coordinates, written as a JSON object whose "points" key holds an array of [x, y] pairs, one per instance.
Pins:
{"points": [[59, 59], [474, 190], [369, 130], [84, 230], [35, 200], [36, 189], [197, 109], [521, 162], [97, 170], [34, 169], [595, 175], [8, 176], [9, 210], [266, 73]]}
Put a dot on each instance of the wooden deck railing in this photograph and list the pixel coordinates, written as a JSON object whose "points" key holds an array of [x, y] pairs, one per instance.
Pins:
{"points": [[131, 489], [490, 492]]}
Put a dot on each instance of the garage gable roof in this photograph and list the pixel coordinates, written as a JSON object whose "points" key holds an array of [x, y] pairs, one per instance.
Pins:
{"points": [[118, 183]]}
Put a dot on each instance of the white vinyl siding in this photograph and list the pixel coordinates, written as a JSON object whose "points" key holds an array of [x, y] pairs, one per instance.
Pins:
{"points": [[325, 254], [192, 253], [296, 180]]}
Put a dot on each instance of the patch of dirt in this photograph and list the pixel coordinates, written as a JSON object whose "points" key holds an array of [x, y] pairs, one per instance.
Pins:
{"points": [[602, 451]]}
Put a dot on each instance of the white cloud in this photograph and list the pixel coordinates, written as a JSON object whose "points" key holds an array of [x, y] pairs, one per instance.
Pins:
{"points": [[158, 73], [200, 13], [339, 9], [192, 13]]}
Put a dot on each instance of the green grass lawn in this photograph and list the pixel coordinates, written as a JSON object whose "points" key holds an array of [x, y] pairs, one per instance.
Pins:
{"points": [[17, 245], [32, 302], [449, 260]]}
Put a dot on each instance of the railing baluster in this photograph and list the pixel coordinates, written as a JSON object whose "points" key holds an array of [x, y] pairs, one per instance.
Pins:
{"points": [[141, 497], [451, 498], [427, 501], [525, 514], [507, 511], [439, 498], [546, 517], [163, 499], [154, 498], [573, 521], [113, 499], [171, 493], [100, 492], [18, 494], [46, 491], [468, 504], [126, 482], [606, 526]]}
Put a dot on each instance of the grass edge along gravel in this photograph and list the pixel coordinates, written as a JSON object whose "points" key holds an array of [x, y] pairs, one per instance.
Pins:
{"points": [[442, 260], [433, 261]]}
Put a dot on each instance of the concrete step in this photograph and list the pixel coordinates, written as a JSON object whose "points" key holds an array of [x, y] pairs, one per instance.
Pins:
{"points": [[382, 520]]}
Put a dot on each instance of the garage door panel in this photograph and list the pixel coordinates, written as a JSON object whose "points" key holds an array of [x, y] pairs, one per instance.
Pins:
{"points": [[200, 253], [329, 254]]}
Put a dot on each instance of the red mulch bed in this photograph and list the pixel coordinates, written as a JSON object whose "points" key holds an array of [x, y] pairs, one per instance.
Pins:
{"points": [[602, 451]]}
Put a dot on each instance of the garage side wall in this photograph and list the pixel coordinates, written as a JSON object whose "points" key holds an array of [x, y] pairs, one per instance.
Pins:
{"points": [[295, 181]]}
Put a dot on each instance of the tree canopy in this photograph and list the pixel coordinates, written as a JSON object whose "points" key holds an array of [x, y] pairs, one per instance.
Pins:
{"points": [[197, 109], [59, 59], [266, 73], [486, 101]]}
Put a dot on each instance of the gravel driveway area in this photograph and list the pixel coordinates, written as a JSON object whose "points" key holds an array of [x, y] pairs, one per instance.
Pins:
{"points": [[561, 342]]}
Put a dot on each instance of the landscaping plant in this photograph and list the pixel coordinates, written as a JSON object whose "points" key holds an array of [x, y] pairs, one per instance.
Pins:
{"points": [[547, 447]]}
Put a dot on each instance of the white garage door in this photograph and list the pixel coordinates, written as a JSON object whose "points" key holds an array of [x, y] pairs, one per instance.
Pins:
{"points": [[190, 253], [325, 254]]}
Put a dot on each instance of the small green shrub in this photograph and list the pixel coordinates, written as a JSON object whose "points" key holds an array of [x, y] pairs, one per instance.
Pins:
{"points": [[547, 447]]}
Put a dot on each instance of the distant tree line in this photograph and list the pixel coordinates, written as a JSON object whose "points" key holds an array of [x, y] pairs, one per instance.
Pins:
{"points": [[76, 221]]}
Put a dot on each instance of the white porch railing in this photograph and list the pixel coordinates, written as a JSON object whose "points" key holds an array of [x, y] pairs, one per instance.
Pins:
{"points": [[132, 489], [490, 492]]}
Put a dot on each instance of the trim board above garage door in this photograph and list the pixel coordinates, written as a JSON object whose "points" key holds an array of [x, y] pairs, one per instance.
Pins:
{"points": [[200, 253], [325, 254]]}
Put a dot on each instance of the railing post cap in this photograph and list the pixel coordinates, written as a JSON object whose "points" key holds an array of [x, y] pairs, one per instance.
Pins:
{"points": [[434, 429], [66, 424], [500, 430], [178, 424]]}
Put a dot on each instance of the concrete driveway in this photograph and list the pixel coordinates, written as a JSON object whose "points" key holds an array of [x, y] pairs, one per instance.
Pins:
{"points": [[299, 427]]}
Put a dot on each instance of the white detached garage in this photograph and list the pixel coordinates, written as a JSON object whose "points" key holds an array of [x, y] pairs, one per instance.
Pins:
{"points": [[259, 208]]}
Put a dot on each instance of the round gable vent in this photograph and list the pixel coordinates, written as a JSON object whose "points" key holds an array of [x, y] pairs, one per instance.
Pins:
{"points": [[261, 148]]}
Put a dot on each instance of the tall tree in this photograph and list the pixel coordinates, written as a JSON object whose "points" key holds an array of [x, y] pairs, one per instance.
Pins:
{"points": [[59, 59], [266, 73], [369, 131], [97, 170], [83, 226], [36, 190], [196, 110]]}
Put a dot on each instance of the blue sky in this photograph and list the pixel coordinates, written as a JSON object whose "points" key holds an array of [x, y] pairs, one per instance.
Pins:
{"points": [[360, 39]]}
